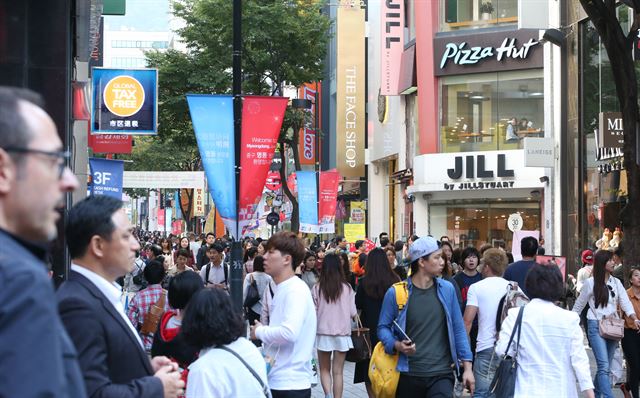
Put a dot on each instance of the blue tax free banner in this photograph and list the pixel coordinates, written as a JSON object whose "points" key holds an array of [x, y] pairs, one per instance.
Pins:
{"points": [[106, 177], [308, 201]]}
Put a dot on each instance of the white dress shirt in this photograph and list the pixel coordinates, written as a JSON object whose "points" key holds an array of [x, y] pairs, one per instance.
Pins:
{"points": [[111, 291], [290, 336], [552, 354]]}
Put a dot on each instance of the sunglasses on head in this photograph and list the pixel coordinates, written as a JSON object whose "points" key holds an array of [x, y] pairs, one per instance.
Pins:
{"points": [[613, 294]]}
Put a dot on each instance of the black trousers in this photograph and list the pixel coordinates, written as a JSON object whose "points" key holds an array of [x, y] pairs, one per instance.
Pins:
{"points": [[425, 387], [631, 348], [291, 393]]}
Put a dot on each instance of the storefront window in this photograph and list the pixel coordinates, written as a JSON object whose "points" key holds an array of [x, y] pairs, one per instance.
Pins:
{"points": [[472, 14], [473, 223], [491, 111], [604, 192]]}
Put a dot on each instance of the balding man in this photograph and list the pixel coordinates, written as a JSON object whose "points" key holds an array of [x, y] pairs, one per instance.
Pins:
{"points": [[37, 358]]}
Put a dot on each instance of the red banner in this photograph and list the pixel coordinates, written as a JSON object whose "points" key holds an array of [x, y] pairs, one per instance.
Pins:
{"points": [[273, 182], [110, 143], [307, 142], [176, 227], [261, 122], [160, 219], [328, 189]]}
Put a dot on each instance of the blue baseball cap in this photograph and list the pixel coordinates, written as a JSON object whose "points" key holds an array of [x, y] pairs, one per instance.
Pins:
{"points": [[422, 247]]}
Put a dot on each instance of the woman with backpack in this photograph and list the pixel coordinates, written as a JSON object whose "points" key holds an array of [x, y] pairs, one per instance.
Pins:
{"points": [[603, 293], [262, 281], [335, 306], [369, 295]]}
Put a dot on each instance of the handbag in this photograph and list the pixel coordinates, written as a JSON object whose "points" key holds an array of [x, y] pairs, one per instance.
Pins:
{"points": [[611, 328], [151, 320], [503, 384], [253, 296], [361, 343]]}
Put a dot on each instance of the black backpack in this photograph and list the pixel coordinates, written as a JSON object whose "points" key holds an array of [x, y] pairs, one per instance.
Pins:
{"points": [[208, 269]]}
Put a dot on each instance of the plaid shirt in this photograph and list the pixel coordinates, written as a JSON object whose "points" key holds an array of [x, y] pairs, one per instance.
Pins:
{"points": [[140, 306]]}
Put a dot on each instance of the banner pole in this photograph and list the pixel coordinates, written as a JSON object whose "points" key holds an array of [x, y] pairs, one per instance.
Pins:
{"points": [[236, 245]]}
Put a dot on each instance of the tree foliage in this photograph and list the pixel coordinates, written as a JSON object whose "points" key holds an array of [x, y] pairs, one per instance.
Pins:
{"points": [[619, 44], [284, 43]]}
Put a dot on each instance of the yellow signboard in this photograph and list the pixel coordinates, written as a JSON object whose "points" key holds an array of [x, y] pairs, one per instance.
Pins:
{"points": [[350, 90], [354, 232]]}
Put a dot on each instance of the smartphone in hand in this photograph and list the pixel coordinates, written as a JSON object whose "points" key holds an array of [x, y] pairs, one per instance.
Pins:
{"points": [[402, 332]]}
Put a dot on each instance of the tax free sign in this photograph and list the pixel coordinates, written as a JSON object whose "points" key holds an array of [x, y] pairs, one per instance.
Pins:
{"points": [[124, 101], [106, 177]]}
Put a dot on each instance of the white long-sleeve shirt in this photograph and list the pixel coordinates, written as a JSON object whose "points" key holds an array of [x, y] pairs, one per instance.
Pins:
{"points": [[290, 336], [586, 297], [552, 354]]}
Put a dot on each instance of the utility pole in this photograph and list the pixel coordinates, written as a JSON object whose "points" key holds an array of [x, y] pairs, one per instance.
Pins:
{"points": [[236, 245]]}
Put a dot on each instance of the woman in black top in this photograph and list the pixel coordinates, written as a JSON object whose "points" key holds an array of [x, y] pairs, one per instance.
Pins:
{"points": [[393, 263], [369, 296]]}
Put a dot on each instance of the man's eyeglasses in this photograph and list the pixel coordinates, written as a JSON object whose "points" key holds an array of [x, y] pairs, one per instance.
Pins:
{"points": [[63, 156], [613, 294]]}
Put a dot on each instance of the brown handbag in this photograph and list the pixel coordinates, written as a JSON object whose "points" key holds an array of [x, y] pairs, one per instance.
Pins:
{"points": [[361, 343], [152, 318]]}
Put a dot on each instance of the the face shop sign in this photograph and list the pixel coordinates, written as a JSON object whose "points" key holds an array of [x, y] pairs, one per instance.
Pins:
{"points": [[474, 167], [488, 52]]}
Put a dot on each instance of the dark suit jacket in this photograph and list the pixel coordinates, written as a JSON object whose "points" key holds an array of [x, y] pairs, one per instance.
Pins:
{"points": [[112, 360], [37, 358]]}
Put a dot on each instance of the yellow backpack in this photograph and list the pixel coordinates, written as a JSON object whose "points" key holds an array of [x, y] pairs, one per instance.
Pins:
{"points": [[382, 366]]}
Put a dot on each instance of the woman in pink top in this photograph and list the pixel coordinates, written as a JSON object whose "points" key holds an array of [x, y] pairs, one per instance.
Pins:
{"points": [[335, 306]]}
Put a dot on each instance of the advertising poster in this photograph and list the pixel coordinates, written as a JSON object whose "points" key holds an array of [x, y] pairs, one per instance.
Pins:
{"points": [[124, 101], [354, 232], [350, 90], [212, 118], [308, 201], [106, 177], [328, 192], [560, 261], [358, 212], [261, 122]]}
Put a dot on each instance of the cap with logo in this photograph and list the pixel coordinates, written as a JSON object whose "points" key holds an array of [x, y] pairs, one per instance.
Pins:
{"points": [[587, 257]]}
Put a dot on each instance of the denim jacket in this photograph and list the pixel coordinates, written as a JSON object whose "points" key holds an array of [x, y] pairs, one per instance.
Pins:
{"points": [[388, 334]]}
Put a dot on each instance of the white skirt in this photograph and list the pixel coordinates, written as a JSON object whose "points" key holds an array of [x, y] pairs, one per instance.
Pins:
{"points": [[333, 343]]}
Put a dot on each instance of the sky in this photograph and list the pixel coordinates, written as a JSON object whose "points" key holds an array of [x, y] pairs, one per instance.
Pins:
{"points": [[142, 15]]}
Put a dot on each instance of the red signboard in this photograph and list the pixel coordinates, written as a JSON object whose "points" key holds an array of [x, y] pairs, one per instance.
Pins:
{"points": [[161, 219], [261, 122], [273, 181], [110, 143]]}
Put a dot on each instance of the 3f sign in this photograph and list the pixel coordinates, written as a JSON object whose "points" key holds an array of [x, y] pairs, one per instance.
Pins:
{"points": [[101, 178]]}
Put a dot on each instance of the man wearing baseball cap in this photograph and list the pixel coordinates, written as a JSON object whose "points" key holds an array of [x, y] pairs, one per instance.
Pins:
{"points": [[587, 267], [429, 332]]}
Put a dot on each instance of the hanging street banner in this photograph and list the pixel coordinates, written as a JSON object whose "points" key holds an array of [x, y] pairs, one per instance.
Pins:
{"points": [[124, 101], [308, 201], [307, 142], [161, 215], [261, 122], [328, 194], [350, 90], [391, 45], [198, 203], [106, 177], [212, 118]]}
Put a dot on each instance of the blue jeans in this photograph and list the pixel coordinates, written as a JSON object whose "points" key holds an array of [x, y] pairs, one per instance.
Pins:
{"points": [[603, 350], [484, 368]]}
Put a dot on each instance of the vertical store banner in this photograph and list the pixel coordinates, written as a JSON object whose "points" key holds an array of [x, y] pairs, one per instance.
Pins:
{"points": [[261, 122], [391, 45], [106, 177], [307, 201], [160, 219], [212, 118], [351, 84], [328, 194], [307, 143], [124, 101], [198, 202]]}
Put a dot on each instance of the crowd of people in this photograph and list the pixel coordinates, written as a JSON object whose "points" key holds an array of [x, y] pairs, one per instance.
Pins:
{"points": [[146, 315]]}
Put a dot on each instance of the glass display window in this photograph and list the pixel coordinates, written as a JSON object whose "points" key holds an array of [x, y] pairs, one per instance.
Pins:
{"points": [[474, 14], [474, 223], [491, 111]]}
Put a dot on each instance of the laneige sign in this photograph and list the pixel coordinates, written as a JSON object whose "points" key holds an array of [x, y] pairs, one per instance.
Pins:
{"points": [[488, 52]]}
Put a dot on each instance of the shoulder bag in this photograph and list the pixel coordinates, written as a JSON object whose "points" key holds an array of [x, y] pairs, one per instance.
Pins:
{"points": [[253, 296], [263, 385], [151, 320], [503, 384]]}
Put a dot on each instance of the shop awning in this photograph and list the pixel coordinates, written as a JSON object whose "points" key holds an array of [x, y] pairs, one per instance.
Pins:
{"points": [[408, 80]]}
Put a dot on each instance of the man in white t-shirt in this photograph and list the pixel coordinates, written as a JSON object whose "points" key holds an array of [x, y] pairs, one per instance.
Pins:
{"points": [[291, 333], [483, 299]]}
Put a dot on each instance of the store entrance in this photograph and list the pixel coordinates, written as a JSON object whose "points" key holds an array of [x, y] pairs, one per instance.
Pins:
{"points": [[474, 223]]}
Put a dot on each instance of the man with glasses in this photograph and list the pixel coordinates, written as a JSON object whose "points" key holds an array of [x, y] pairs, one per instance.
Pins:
{"points": [[37, 357]]}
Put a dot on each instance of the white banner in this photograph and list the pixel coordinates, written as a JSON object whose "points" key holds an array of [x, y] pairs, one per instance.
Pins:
{"points": [[163, 179]]}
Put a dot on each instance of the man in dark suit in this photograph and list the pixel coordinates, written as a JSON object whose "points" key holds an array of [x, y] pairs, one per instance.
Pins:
{"points": [[112, 358], [37, 358]]}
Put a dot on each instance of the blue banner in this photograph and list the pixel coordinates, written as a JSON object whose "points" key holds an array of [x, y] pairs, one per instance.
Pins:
{"points": [[308, 201], [212, 118], [106, 177], [176, 199], [124, 101]]}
